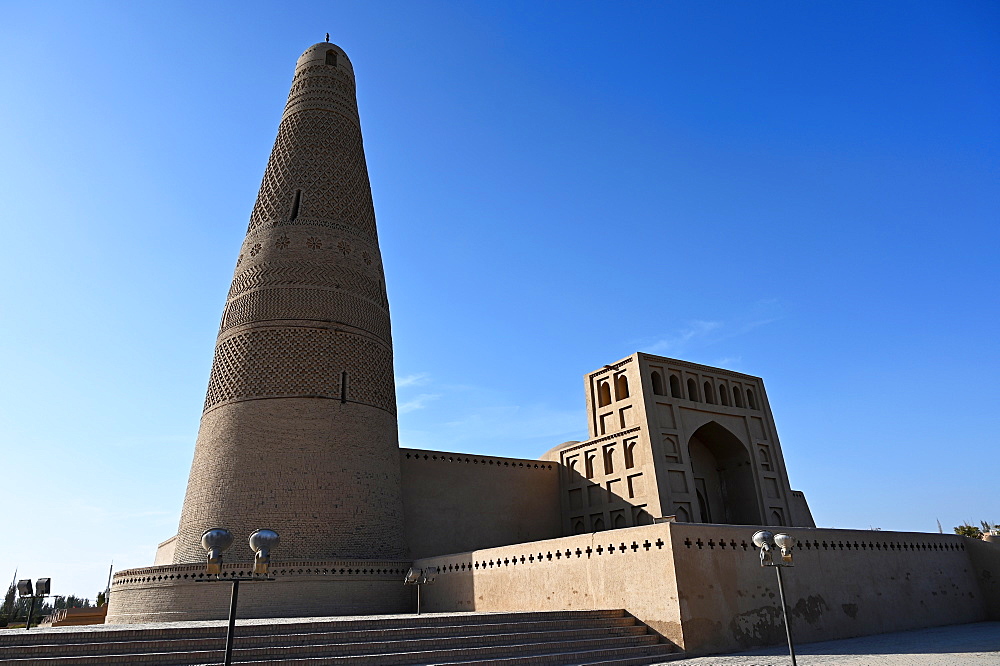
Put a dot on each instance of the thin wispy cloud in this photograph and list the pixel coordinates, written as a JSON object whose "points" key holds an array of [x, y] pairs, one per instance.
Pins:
{"points": [[696, 330], [419, 402], [416, 379], [701, 333]]}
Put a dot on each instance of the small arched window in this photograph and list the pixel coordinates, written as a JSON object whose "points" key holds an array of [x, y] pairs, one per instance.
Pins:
{"points": [[657, 384], [609, 460], [777, 518], [578, 527], [629, 455], [620, 522], [675, 387], [588, 463], [331, 57], [621, 387], [598, 524], [603, 394], [751, 401], [737, 397], [693, 390], [765, 459], [723, 395], [681, 514], [709, 393]]}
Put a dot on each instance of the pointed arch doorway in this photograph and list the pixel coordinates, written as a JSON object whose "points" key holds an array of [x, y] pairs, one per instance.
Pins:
{"points": [[723, 477]]}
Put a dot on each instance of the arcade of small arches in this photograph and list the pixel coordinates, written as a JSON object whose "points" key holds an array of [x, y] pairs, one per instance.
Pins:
{"points": [[604, 390], [709, 393]]}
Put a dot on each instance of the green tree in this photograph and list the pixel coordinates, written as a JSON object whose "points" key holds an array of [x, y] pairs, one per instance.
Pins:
{"points": [[967, 530], [8, 600]]}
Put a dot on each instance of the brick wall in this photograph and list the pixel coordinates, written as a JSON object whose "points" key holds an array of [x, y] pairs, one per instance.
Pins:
{"points": [[702, 587], [454, 502], [301, 589]]}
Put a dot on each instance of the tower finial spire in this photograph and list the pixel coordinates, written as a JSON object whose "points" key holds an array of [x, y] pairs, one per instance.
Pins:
{"points": [[327, 38]]}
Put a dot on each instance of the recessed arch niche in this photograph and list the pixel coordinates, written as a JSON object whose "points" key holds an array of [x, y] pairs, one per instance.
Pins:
{"points": [[723, 477]]}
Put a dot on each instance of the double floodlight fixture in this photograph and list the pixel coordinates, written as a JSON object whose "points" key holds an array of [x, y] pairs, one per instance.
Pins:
{"points": [[217, 540], [768, 541], [420, 576], [42, 588]]}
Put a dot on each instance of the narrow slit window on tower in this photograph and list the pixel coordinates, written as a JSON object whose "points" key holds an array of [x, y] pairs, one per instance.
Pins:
{"points": [[295, 205], [751, 401], [343, 386], [675, 387], [331, 57], [709, 393], [737, 397], [723, 395]]}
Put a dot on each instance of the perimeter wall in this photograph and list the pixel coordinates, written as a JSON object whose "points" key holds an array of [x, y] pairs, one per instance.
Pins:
{"points": [[701, 586], [456, 502]]}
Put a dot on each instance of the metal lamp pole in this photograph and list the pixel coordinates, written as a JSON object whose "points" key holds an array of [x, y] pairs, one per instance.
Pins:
{"points": [[217, 540], [767, 542]]}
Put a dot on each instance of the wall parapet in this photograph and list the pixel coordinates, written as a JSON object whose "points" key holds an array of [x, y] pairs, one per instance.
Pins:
{"points": [[710, 594]]}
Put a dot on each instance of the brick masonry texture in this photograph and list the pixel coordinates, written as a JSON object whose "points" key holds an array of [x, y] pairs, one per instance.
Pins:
{"points": [[340, 587], [702, 587], [299, 432]]}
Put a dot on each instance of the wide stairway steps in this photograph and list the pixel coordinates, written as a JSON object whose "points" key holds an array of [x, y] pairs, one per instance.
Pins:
{"points": [[600, 637]]}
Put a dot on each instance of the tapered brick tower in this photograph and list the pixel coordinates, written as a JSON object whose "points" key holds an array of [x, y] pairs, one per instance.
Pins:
{"points": [[299, 430]]}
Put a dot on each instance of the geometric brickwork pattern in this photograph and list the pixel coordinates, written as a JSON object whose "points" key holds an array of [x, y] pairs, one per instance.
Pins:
{"points": [[299, 430], [303, 362], [314, 304], [306, 274], [333, 190]]}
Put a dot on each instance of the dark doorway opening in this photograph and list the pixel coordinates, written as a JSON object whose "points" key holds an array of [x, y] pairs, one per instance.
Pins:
{"points": [[723, 476]]}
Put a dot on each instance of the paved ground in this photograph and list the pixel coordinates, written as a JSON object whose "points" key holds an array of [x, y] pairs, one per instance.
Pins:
{"points": [[976, 644]]}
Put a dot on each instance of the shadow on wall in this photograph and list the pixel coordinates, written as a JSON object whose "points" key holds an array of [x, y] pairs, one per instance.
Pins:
{"points": [[595, 508]]}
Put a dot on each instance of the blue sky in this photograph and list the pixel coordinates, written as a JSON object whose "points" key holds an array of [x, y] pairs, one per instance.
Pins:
{"points": [[806, 192]]}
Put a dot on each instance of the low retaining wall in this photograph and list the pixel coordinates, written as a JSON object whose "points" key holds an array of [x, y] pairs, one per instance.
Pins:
{"points": [[301, 589], [702, 587]]}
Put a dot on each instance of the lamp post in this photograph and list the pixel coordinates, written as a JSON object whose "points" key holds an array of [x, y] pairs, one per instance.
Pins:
{"points": [[215, 542], [42, 589], [767, 542], [420, 577]]}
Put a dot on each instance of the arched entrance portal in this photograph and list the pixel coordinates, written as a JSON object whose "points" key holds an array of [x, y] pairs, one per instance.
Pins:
{"points": [[723, 477]]}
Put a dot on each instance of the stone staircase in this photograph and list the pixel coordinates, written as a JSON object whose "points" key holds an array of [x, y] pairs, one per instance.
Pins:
{"points": [[600, 637]]}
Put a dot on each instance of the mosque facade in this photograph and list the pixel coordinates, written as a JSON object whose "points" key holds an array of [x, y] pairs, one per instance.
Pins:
{"points": [[299, 435]]}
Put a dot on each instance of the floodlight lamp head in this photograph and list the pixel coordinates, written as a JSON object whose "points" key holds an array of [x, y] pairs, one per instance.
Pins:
{"points": [[763, 538], [412, 576], [43, 586], [429, 574], [261, 543], [216, 538], [24, 588], [215, 541], [785, 542]]}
